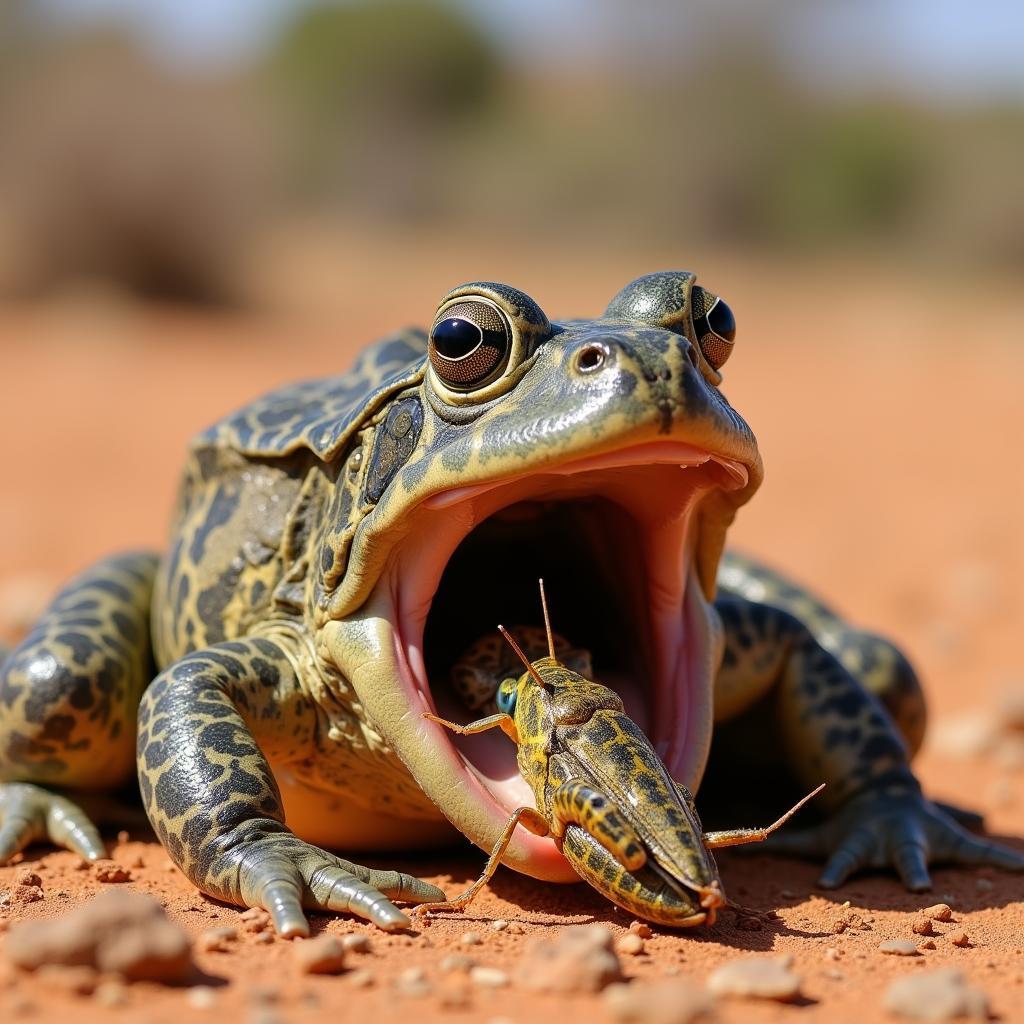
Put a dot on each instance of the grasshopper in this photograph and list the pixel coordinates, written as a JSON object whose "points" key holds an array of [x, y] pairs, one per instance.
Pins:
{"points": [[604, 796]]}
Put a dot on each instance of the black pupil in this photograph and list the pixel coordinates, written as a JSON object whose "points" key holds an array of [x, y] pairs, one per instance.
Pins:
{"points": [[722, 322], [455, 338]]}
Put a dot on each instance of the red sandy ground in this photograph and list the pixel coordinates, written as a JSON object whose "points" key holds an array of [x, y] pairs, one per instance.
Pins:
{"points": [[889, 416]]}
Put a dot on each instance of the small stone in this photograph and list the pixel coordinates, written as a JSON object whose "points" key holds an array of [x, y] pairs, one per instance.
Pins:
{"points": [[674, 1001], [927, 944], [939, 912], [923, 926], [630, 944], [578, 959], [25, 876], [898, 947], [959, 939], [202, 997], [360, 977], [457, 963], [111, 993], [217, 940], [488, 977], [832, 953], [111, 872], [26, 894], [756, 977], [357, 943], [936, 995], [470, 939], [323, 955], [499, 925], [413, 982], [640, 928]]}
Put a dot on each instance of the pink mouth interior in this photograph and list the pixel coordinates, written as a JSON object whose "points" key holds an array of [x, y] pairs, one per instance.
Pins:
{"points": [[611, 536]]}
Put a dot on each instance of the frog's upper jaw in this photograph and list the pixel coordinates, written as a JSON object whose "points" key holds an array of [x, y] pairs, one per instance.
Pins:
{"points": [[633, 516]]}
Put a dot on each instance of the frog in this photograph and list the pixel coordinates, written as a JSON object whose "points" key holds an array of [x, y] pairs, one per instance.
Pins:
{"points": [[269, 679]]}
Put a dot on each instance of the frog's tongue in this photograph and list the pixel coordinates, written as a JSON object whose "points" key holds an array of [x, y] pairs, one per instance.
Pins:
{"points": [[474, 781]]}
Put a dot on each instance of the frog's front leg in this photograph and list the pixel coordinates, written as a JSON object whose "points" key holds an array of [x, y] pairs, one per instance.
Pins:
{"points": [[206, 728], [832, 730]]}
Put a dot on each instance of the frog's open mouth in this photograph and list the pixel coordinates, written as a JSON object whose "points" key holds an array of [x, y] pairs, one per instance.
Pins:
{"points": [[613, 536]]}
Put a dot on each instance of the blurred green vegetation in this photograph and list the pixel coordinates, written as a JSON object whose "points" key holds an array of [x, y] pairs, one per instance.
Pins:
{"points": [[407, 112]]}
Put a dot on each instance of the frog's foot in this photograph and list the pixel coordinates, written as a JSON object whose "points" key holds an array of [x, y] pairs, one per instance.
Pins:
{"points": [[282, 874], [892, 827], [29, 813]]}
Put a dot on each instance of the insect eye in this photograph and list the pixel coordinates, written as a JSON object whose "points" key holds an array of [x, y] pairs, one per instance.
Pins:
{"points": [[714, 325], [506, 699], [469, 344]]}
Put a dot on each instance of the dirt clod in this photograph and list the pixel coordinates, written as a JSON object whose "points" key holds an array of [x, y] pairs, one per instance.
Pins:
{"points": [[923, 926], [25, 876], [579, 959], [217, 940], [111, 872], [672, 1001], [939, 912], [255, 920], [121, 932], [936, 995], [357, 943], [756, 977], [961, 939], [323, 955], [898, 947]]}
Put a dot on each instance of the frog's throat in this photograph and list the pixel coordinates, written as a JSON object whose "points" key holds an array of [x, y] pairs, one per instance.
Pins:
{"points": [[661, 488]]}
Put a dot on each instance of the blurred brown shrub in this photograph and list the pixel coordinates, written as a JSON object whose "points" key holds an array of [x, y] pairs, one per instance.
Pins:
{"points": [[113, 168]]}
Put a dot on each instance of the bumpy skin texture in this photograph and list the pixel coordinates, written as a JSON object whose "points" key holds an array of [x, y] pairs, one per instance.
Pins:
{"points": [[274, 628]]}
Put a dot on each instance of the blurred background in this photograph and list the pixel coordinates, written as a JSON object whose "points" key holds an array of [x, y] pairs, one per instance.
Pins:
{"points": [[203, 199]]}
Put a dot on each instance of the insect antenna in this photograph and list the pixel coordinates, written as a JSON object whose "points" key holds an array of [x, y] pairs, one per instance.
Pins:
{"points": [[522, 657], [547, 622]]}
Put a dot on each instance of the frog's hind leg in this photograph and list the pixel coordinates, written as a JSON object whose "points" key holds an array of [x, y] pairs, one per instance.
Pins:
{"points": [[69, 694], [876, 663]]}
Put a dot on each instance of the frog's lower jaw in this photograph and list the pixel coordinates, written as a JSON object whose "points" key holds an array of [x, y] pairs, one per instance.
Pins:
{"points": [[635, 513]]}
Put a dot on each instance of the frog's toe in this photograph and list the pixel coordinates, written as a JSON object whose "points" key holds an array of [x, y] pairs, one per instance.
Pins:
{"points": [[29, 813], [956, 846], [396, 885]]}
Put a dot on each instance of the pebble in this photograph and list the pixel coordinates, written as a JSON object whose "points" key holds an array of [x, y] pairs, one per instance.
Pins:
{"points": [[927, 944], [361, 977], [216, 940], [457, 963], [756, 977], [111, 872], [488, 977], [499, 925], [576, 959], [118, 931], [959, 939], [923, 926], [630, 944], [939, 912], [674, 1001], [936, 995], [641, 928], [25, 876], [832, 953], [26, 894], [323, 955], [201, 997], [357, 943], [898, 947], [471, 939], [413, 982]]}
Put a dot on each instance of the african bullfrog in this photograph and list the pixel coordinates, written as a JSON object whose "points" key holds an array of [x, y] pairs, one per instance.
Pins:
{"points": [[338, 542]]}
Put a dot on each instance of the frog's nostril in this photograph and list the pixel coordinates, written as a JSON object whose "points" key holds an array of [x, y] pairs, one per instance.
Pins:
{"points": [[591, 358]]}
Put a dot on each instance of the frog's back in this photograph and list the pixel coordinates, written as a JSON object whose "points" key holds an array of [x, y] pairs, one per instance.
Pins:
{"points": [[254, 494]]}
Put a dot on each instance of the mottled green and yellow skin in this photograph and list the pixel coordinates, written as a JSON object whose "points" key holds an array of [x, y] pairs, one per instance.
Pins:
{"points": [[279, 636]]}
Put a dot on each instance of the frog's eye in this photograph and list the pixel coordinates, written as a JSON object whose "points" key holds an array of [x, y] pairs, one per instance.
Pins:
{"points": [[714, 325], [469, 344], [506, 697]]}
